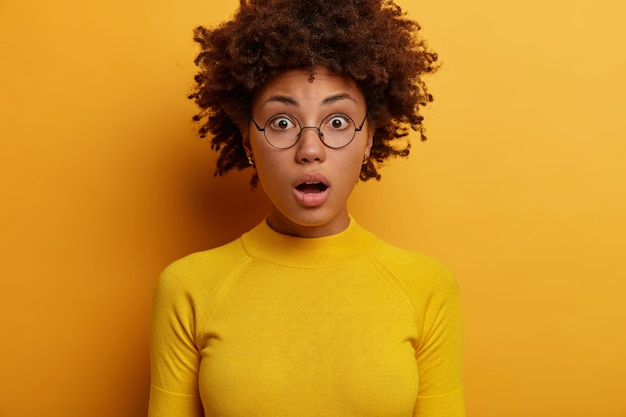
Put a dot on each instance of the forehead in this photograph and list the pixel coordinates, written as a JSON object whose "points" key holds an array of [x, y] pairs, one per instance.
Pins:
{"points": [[297, 87]]}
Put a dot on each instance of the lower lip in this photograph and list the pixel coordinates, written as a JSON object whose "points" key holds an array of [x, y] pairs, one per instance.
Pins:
{"points": [[311, 199]]}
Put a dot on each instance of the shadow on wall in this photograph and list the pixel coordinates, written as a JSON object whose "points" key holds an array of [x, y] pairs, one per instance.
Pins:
{"points": [[191, 210], [216, 209]]}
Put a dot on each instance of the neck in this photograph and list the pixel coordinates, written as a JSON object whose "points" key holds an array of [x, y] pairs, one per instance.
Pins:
{"points": [[311, 227]]}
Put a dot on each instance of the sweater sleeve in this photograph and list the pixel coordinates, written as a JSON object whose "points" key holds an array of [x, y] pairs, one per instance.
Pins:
{"points": [[174, 359], [439, 353]]}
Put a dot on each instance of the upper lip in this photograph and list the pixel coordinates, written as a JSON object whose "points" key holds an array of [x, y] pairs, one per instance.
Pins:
{"points": [[312, 177]]}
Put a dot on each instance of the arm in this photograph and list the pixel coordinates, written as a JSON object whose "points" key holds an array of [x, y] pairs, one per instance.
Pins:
{"points": [[439, 354], [174, 360]]}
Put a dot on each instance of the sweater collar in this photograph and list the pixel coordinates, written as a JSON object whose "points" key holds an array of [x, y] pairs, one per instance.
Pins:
{"points": [[266, 244]]}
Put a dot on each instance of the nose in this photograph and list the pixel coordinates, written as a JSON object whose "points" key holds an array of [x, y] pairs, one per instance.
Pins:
{"points": [[310, 147]]}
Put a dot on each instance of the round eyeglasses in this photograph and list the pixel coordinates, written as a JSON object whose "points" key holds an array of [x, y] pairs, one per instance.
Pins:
{"points": [[283, 130]]}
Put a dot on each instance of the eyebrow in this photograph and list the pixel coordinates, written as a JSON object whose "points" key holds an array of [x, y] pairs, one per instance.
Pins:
{"points": [[337, 97], [282, 99], [290, 101]]}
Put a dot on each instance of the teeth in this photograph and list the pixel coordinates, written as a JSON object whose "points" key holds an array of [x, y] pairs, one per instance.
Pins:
{"points": [[309, 184]]}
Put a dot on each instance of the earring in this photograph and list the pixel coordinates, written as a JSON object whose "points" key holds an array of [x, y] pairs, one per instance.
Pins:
{"points": [[366, 159], [250, 160]]}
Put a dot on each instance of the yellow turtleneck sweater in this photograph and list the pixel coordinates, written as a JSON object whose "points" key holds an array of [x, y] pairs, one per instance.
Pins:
{"points": [[271, 325]]}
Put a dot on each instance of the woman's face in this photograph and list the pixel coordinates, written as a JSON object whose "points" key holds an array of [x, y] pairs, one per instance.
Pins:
{"points": [[309, 183]]}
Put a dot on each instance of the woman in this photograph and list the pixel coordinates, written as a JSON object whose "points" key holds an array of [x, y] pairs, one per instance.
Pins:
{"points": [[308, 314]]}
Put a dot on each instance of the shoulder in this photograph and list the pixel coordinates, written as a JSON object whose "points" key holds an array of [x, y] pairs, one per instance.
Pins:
{"points": [[406, 262], [420, 274], [199, 270], [429, 287]]}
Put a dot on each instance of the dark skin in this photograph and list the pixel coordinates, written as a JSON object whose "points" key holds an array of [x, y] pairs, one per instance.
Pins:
{"points": [[371, 42]]}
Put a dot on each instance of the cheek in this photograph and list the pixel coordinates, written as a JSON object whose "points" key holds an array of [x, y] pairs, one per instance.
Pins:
{"points": [[349, 169], [269, 165]]}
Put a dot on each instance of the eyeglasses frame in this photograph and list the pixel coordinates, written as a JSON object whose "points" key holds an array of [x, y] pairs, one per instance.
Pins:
{"points": [[319, 131]]}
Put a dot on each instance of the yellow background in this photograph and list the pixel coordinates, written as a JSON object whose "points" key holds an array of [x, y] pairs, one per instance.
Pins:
{"points": [[520, 190]]}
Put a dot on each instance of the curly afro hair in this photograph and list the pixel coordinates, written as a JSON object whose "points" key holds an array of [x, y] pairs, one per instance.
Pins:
{"points": [[372, 41]]}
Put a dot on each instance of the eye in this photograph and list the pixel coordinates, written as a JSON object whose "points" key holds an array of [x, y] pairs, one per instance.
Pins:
{"points": [[281, 122], [338, 122]]}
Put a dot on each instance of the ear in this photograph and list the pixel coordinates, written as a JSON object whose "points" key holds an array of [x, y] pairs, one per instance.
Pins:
{"points": [[370, 140], [244, 129]]}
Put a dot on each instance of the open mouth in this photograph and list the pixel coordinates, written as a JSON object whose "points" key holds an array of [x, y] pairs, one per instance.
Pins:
{"points": [[312, 187]]}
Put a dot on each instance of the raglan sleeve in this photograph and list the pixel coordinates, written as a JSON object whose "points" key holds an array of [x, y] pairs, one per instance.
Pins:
{"points": [[174, 356], [440, 349]]}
